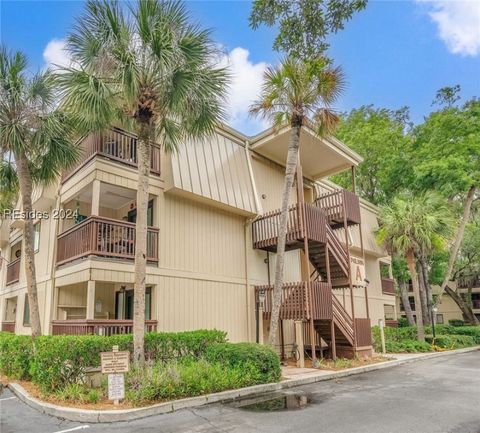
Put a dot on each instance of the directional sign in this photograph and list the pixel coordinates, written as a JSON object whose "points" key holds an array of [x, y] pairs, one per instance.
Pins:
{"points": [[114, 362]]}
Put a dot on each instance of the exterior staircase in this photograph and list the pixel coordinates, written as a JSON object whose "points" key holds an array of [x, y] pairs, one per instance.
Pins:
{"points": [[314, 299]]}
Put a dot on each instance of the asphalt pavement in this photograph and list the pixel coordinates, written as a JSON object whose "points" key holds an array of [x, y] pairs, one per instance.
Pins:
{"points": [[439, 395]]}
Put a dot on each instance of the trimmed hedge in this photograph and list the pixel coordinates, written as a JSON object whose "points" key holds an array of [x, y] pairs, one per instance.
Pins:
{"points": [[471, 331], [15, 355], [263, 359], [63, 359], [456, 322]]}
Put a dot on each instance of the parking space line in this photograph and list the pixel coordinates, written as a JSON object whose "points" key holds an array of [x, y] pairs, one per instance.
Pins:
{"points": [[7, 398], [80, 427]]}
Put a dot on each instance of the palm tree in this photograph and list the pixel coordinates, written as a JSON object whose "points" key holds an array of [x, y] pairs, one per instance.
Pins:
{"points": [[36, 144], [296, 92], [152, 71], [410, 225]]}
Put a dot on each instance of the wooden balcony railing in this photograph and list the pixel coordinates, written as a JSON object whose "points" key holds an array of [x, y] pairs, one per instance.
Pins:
{"points": [[468, 282], [104, 237], [8, 326], [295, 302], [13, 271], [338, 203], [391, 323], [388, 286], [116, 145], [98, 327], [265, 228], [363, 332]]}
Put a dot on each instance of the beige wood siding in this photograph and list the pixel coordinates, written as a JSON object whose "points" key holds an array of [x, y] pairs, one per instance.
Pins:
{"points": [[215, 168], [198, 238]]}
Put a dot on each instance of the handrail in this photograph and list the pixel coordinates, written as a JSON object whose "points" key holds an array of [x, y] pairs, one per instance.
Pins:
{"points": [[105, 237], [337, 250]]}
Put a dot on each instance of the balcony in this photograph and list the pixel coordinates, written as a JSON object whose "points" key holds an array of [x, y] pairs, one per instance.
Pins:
{"points": [[13, 271], [8, 326], [295, 297], [103, 237], [304, 220], [98, 327], [339, 206], [116, 145], [388, 286]]}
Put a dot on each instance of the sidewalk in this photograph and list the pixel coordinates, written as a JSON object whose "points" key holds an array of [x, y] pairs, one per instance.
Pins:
{"points": [[292, 377]]}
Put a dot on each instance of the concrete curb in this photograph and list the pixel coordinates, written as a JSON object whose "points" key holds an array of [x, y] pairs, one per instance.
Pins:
{"points": [[106, 416]]}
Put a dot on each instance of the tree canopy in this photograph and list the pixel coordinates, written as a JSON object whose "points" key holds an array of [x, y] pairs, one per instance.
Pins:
{"points": [[304, 25]]}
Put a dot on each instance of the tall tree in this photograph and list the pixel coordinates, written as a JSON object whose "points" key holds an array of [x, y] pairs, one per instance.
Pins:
{"points": [[447, 149], [36, 144], [381, 137], [151, 70], [402, 277], [304, 25], [409, 224], [296, 93]]}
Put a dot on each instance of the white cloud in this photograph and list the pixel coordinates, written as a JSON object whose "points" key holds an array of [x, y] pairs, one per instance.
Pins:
{"points": [[246, 82], [55, 54], [458, 23]]}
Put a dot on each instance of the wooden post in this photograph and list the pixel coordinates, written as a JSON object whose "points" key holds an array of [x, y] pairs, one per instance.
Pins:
{"points": [[354, 180], [333, 343], [90, 300], [382, 335], [301, 205], [282, 341], [95, 198], [260, 323], [299, 341]]}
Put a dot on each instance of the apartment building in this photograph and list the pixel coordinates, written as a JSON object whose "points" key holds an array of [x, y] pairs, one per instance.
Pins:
{"points": [[447, 309], [213, 217]]}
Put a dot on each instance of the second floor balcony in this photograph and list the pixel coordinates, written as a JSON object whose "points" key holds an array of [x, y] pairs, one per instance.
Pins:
{"points": [[13, 271], [388, 286], [103, 237], [116, 145]]}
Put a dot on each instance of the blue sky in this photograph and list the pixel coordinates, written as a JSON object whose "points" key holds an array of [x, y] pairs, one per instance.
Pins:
{"points": [[394, 53]]}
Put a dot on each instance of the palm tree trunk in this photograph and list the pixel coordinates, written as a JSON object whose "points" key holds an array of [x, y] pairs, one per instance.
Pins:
{"points": [[423, 294], [290, 168], [428, 286], [416, 293], [458, 239], [25, 181], [466, 310], [143, 155], [406, 302]]}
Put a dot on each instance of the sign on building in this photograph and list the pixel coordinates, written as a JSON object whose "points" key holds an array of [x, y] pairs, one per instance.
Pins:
{"points": [[357, 266]]}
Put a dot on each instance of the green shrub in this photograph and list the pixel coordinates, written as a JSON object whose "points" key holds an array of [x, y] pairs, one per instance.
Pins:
{"points": [[402, 322], [15, 355], [177, 379], [472, 331], [93, 396], [261, 359], [451, 341], [62, 360], [410, 346], [166, 346], [456, 322]]}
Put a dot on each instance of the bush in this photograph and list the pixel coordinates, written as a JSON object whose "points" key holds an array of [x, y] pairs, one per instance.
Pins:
{"points": [[410, 346], [62, 360], [402, 322], [15, 355], [177, 379], [257, 358], [456, 322], [451, 341], [472, 331]]}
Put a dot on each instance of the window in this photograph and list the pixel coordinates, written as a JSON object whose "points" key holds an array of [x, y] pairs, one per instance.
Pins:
{"points": [[26, 312], [36, 237], [440, 319], [384, 270]]}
